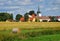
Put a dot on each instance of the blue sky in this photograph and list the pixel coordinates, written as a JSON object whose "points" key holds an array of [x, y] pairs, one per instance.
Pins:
{"points": [[47, 7]]}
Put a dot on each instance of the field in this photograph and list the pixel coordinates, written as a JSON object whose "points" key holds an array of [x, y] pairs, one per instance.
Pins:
{"points": [[30, 31]]}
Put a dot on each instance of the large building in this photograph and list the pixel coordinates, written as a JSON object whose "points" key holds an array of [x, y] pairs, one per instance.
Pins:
{"points": [[40, 17]]}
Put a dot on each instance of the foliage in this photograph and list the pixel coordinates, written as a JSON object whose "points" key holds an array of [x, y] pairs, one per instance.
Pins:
{"points": [[11, 16], [26, 16], [18, 16], [31, 12], [4, 16], [53, 18]]}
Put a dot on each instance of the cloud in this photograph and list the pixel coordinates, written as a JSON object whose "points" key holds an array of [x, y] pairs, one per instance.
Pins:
{"points": [[39, 0], [49, 9], [26, 2], [57, 1], [55, 8], [9, 7], [10, 12], [18, 2], [1, 3], [41, 6]]}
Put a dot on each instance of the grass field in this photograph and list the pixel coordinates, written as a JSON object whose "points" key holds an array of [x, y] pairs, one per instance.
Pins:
{"points": [[30, 31], [9, 25]]}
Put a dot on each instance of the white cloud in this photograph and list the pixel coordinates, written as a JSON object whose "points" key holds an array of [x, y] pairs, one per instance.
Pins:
{"points": [[10, 12], [48, 9], [41, 6], [9, 7], [19, 2], [1, 3], [57, 1], [41, 0], [26, 2], [55, 8]]}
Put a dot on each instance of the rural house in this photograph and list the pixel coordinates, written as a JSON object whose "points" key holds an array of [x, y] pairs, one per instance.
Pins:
{"points": [[58, 18]]}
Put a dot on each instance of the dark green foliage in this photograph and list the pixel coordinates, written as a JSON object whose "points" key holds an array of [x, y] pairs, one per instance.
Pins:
{"points": [[31, 12], [53, 18], [11, 16], [4, 16], [26, 16], [18, 16]]}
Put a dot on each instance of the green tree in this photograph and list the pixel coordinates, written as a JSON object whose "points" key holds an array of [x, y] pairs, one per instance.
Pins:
{"points": [[31, 12], [53, 18], [4, 16], [18, 16], [11, 16], [26, 16]]}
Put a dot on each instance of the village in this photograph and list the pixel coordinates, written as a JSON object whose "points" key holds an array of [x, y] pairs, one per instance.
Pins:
{"points": [[39, 18], [31, 16]]}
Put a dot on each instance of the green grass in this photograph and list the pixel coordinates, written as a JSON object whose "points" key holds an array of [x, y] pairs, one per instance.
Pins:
{"points": [[30, 31], [9, 36]]}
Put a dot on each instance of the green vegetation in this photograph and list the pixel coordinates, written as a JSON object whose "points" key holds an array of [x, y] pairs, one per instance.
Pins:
{"points": [[6, 16], [18, 16], [43, 31]]}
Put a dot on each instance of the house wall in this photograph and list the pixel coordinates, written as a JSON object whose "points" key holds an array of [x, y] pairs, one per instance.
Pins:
{"points": [[58, 19], [41, 20], [33, 19]]}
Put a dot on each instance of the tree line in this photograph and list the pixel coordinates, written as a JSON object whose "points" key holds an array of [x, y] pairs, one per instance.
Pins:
{"points": [[7, 16]]}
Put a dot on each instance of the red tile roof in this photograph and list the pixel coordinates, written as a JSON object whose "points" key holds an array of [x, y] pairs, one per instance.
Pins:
{"points": [[44, 17], [58, 17]]}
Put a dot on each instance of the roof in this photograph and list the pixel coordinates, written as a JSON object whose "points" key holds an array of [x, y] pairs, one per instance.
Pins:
{"points": [[44, 17], [58, 17]]}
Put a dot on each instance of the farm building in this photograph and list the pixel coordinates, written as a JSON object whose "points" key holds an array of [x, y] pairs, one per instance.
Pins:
{"points": [[39, 17], [22, 19], [32, 17], [44, 18], [58, 18]]}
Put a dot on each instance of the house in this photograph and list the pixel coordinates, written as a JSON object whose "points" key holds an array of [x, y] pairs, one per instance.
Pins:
{"points": [[32, 18], [22, 19], [58, 18], [44, 18]]}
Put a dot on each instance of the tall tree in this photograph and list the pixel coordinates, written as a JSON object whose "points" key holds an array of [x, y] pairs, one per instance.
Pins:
{"points": [[26, 16], [18, 16]]}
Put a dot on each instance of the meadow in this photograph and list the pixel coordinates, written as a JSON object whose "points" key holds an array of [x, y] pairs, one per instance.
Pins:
{"points": [[30, 31]]}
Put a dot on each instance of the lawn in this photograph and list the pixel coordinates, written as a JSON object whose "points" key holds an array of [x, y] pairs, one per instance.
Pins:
{"points": [[30, 31]]}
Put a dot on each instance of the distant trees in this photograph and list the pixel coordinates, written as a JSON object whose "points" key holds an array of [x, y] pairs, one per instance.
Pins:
{"points": [[11, 16], [53, 18], [26, 16], [18, 16], [5, 16]]}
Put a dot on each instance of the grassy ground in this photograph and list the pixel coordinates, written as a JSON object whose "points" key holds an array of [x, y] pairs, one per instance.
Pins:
{"points": [[30, 31], [27, 25]]}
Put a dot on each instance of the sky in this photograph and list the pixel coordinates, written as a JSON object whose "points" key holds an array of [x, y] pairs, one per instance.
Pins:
{"points": [[47, 7]]}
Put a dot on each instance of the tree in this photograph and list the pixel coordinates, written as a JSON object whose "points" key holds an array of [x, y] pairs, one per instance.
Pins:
{"points": [[31, 12], [18, 16], [26, 16], [11, 16], [53, 18], [4, 16]]}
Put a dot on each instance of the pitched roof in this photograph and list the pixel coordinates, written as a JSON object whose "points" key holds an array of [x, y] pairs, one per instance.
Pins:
{"points": [[44, 17], [58, 17]]}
